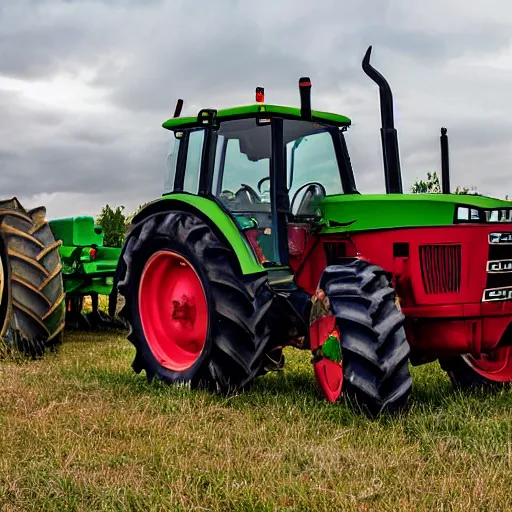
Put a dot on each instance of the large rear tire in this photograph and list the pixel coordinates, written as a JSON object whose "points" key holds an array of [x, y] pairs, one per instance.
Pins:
{"points": [[375, 351], [32, 308], [193, 316]]}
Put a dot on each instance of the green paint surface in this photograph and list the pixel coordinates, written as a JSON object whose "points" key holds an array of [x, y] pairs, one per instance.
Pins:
{"points": [[76, 231], [251, 110], [331, 349], [240, 245], [380, 211], [81, 274]]}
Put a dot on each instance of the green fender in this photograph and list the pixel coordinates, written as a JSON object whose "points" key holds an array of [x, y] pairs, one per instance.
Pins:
{"points": [[212, 213]]}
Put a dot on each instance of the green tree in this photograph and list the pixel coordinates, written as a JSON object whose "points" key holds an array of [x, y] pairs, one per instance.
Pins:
{"points": [[431, 186], [467, 191], [113, 225]]}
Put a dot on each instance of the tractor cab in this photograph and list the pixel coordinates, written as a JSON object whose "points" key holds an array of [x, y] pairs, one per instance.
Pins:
{"points": [[268, 166]]}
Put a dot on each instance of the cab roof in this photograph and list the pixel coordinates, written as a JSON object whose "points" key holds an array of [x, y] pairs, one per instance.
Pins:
{"points": [[294, 113]]}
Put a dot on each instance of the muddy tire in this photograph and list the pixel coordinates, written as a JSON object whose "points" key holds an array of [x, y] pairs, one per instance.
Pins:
{"points": [[32, 307], [230, 309], [375, 351]]}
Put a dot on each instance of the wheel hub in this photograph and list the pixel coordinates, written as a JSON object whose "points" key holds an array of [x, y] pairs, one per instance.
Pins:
{"points": [[173, 310]]}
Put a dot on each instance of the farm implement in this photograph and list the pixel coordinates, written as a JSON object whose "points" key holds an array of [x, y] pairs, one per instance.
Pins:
{"points": [[46, 270], [262, 240], [88, 269]]}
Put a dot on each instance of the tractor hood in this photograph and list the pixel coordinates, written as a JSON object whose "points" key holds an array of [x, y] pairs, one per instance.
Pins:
{"points": [[355, 212]]}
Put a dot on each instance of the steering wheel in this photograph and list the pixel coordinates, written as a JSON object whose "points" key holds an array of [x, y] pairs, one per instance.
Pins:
{"points": [[315, 191], [247, 194], [261, 183]]}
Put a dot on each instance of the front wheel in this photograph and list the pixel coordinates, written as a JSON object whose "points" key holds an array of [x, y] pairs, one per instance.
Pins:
{"points": [[193, 316], [374, 349]]}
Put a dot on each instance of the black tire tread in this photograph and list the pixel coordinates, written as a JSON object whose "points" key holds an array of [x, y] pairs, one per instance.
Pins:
{"points": [[35, 317], [374, 347], [239, 331]]}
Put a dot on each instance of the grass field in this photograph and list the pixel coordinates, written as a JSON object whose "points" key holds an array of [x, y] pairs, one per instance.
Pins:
{"points": [[81, 431]]}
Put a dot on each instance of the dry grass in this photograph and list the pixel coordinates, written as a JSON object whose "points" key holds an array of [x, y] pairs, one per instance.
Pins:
{"points": [[81, 431]]}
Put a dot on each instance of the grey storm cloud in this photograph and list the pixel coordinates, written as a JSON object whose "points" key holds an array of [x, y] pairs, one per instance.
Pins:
{"points": [[448, 63]]}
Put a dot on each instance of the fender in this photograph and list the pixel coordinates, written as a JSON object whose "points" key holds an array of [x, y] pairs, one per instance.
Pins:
{"points": [[222, 224]]}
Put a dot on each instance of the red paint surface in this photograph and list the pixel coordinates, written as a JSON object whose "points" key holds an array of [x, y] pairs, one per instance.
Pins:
{"points": [[496, 366], [173, 310], [328, 374], [439, 324], [320, 330]]}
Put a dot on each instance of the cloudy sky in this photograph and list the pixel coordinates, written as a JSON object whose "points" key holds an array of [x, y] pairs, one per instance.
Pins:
{"points": [[86, 85]]}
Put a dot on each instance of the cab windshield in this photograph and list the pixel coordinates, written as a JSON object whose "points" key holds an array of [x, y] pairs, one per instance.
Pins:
{"points": [[242, 165], [311, 157]]}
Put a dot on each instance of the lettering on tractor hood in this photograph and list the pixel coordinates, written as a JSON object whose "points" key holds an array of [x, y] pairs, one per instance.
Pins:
{"points": [[500, 238], [499, 266]]}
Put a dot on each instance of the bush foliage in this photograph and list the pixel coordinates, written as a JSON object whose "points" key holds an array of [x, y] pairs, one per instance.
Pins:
{"points": [[113, 223]]}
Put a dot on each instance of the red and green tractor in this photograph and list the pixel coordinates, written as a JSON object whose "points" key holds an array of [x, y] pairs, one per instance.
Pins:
{"points": [[261, 240]]}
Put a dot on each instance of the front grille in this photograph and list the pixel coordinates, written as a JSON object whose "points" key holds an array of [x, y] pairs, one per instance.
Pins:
{"points": [[441, 268]]}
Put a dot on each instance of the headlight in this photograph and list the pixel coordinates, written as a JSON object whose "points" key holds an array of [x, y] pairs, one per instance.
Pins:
{"points": [[501, 215], [466, 213], [469, 214]]}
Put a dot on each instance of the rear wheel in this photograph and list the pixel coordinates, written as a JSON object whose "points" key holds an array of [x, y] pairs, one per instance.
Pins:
{"points": [[489, 370], [375, 351], [193, 316], [32, 308]]}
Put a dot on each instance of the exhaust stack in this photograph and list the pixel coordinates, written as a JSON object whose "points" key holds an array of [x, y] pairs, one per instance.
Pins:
{"points": [[305, 98], [389, 137], [445, 163]]}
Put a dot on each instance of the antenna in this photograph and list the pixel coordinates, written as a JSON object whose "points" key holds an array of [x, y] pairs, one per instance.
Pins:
{"points": [[177, 110]]}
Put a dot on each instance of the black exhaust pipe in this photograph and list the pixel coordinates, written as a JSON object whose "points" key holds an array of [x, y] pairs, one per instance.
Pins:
{"points": [[445, 163], [305, 98], [389, 137]]}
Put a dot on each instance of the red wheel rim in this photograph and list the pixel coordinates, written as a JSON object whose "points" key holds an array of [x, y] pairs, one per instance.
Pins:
{"points": [[496, 366], [173, 310]]}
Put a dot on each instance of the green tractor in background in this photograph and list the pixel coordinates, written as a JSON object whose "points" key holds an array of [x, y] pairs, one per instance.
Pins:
{"points": [[88, 269], [262, 240]]}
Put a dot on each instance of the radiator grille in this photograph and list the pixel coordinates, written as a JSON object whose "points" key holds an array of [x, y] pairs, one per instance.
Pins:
{"points": [[441, 268]]}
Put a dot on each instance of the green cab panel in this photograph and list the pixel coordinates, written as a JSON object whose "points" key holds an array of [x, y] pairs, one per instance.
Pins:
{"points": [[248, 262], [76, 231], [358, 212]]}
